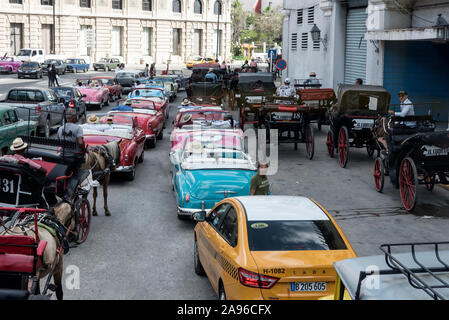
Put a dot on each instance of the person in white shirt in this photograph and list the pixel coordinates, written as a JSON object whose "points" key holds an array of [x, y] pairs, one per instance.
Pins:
{"points": [[407, 108], [286, 90]]}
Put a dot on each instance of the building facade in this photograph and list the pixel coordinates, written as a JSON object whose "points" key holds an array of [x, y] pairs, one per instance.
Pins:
{"points": [[394, 43], [136, 31]]}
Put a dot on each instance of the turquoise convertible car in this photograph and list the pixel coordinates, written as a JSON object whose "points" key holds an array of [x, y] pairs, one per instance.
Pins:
{"points": [[206, 170]]}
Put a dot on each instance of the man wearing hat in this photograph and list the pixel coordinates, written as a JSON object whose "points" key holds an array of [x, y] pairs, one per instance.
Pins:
{"points": [[260, 185], [407, 108], [186, 120], [313, 81], [286, 90], [18, 147]]}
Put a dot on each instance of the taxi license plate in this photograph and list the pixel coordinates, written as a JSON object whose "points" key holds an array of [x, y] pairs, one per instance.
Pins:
{"points": [[308, 286]]}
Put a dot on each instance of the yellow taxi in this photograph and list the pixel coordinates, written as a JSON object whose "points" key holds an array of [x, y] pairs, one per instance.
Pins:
{"points": [[193, 61], [269, 247]]}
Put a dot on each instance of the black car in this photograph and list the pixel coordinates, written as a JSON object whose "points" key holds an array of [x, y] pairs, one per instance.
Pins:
{"points": [[60, 66], [127, 79], [30, 69], [72, 99]]}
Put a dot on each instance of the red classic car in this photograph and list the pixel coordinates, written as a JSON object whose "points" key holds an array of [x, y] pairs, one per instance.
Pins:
{"points": [[117, 127], [115, 88], [154, 94], [148, 118], [9, 65], [96, 93]]}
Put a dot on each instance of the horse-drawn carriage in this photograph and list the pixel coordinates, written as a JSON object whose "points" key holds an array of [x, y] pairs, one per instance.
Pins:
{"points": [[207, 93], [352, 118], [416, 155], [34, 218]]}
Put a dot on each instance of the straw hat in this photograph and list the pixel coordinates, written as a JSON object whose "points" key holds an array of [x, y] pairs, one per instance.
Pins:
{"points": [[93, 119], [195, 147], [186, 118], [110, 119], [18, 144], [312, 74], [185, 102]]}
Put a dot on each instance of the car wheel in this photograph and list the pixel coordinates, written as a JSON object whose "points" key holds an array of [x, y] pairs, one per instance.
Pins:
{"points": [[106, 69], [95, 69], [160, 136], [151, 143], [142, 157], [47, 128], [75, 70], [101, 105], [221, 293], [199, 270], [130, 176], [106, 103]]}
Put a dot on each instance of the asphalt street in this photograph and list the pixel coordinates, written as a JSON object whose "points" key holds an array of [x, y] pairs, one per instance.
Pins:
{"points": [[144, 252]]}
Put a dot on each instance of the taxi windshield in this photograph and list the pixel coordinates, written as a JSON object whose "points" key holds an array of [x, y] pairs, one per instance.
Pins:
{"points": [[293, 235]]}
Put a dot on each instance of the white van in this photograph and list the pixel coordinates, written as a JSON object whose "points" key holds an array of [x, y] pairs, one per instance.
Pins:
{"points": [[31, 54]]}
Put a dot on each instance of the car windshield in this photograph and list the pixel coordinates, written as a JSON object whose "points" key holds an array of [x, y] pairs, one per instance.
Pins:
{"points": [[63, 92], [163, 79], [30, 65], [71, 61], [103, 60], [24, 53], [105, 81], [147, 93], [214, 141], [51, 62], [293, 235], [125, 75]]}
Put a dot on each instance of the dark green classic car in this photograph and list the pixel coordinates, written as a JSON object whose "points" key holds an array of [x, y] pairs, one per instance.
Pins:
{"points": [[11, 127]]}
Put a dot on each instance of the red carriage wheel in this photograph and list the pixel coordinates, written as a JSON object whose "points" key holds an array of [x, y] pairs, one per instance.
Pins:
{"points": [[430, 182], [330, 144], [84, 221], [310, 142], [343, 147], [379, 174], [408, 182]]}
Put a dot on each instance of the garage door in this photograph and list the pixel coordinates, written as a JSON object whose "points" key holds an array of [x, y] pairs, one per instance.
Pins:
{"points": [[355, 45], [420, 68]]}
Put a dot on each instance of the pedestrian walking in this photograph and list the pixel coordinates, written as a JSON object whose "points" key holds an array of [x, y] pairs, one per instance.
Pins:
{"points": [[260, 185], [146, 71], [51, 83], [153, 70], [54, 75]]}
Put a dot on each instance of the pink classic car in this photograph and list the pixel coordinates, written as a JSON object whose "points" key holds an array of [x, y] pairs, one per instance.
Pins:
{"points": [[95, 93], [225, 138], [9, 65], [203, 118]]}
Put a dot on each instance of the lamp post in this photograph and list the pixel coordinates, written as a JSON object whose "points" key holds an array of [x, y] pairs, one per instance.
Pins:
{"points": [[54, 26], [218, 28]]}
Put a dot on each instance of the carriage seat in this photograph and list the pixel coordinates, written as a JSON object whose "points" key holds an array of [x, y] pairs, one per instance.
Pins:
{"points": [[17, 254], [12, 294]]}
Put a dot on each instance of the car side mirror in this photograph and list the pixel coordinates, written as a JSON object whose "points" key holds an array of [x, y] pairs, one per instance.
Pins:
{"points": [[199, 216], [83, 95]]}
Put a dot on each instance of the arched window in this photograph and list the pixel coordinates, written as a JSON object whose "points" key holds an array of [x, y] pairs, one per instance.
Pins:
{"points": [[198, 7], [218, 7], [177, 6]]}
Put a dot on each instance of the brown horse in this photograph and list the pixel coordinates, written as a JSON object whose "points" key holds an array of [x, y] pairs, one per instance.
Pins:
{"points": [[51, 258], [97, 163]]}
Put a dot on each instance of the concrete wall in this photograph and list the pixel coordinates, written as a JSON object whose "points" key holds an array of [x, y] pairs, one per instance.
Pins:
{"points": [[102, 18]]}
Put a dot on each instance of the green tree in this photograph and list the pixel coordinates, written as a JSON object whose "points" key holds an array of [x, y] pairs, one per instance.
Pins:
{"points": [[238, 18]]}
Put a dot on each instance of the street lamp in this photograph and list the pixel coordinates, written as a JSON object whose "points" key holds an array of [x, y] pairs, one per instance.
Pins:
{"points": [[316, 35]]}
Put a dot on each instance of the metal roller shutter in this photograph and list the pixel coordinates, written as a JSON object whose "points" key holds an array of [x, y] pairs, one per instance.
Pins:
{"points": [[355, 45], [420, 68]]}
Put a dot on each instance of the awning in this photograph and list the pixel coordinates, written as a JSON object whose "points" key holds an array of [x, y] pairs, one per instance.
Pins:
{"points": [[433, 33]]}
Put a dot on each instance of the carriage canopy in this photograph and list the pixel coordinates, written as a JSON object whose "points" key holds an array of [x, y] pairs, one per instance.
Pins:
{"points": [[364, 99]]}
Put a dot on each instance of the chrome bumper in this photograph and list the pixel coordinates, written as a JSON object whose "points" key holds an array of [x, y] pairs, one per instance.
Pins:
{"points": [[92, 102], [189, 212], [150, 136], [124, 169]]}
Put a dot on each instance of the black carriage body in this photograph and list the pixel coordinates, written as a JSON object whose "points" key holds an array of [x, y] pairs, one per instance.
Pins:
{"points": [[357, 109], [252, 89], [207, 93], [428, 150]]}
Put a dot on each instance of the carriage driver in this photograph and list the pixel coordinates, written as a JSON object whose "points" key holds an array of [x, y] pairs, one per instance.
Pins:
{"points": [[73, 132], [286, 90]]}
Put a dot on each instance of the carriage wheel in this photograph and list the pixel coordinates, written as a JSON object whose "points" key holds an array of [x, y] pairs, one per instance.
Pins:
{"points": [[408, 182], [343, 147], [379, 174], [330, 144], [430, 182], [310, 142], [84, 221]]}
